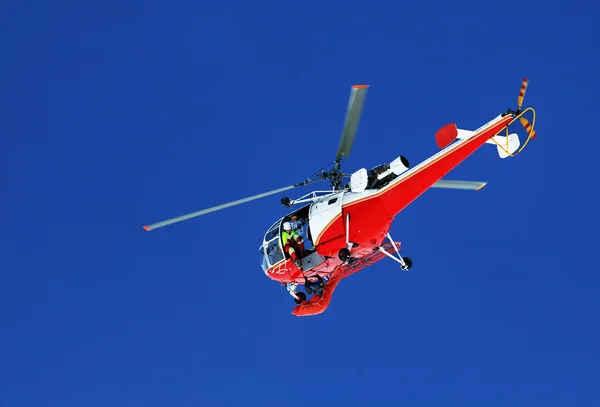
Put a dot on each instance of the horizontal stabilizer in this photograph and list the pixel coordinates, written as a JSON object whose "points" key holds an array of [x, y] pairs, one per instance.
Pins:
{"points": [[504, 148], [467, 185]]}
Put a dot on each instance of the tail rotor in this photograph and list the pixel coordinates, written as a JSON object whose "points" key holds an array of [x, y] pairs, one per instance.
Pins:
{"points": [[506, 151], [524, 122]]}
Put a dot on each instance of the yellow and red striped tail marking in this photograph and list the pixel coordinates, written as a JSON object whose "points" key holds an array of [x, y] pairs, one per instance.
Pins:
{"points": [[528, 128], [522, 92]]}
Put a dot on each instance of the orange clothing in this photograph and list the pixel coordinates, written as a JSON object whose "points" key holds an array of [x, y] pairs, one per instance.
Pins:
{"points": [[319, 303]]}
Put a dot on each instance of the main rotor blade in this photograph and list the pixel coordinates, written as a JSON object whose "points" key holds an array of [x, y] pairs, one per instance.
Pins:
{"points": [[467, 185], [218, 207], [358, 94]]}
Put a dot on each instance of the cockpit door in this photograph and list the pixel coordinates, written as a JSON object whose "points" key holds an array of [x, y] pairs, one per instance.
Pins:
{"points": [[323, 213]]}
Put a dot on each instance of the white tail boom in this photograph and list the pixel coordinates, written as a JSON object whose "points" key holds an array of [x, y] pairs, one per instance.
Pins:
{"points": [[513, 142]]}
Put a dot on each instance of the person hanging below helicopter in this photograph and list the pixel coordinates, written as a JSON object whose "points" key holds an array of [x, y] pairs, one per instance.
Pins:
{"points": [[293, 244], [320, 301]]}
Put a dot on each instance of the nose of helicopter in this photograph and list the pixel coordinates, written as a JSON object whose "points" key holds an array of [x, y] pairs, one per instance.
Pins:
{"points": [[285, 272]]}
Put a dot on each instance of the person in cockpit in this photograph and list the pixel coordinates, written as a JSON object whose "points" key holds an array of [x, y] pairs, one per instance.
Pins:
{"points": [[293, 244]]}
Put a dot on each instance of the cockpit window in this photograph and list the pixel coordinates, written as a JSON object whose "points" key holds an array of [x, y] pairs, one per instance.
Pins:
{"points": [[273, 232], [263, 259], [271, 253], [274, 253]]}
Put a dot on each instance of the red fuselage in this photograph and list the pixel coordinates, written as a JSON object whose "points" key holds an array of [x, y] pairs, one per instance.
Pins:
{"points": [[369, 214]]}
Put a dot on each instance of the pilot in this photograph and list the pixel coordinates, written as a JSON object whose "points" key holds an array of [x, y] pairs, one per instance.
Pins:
{"points": [[293, 244]]}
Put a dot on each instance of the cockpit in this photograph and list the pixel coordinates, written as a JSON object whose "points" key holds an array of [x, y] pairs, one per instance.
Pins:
{"points": [[271, 250]]}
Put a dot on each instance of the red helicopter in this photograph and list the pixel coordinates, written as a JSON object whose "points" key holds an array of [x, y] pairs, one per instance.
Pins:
{"points": [[346, 228]]}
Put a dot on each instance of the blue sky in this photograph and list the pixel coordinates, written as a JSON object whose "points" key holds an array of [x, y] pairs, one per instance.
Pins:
{"points": [[119, 114]]}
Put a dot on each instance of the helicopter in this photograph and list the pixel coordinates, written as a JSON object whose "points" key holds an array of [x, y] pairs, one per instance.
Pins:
{"points": [[347, 227]]}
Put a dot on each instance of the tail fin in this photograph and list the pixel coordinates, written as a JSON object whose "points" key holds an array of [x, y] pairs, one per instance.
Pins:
{"points": [[505, 147]]}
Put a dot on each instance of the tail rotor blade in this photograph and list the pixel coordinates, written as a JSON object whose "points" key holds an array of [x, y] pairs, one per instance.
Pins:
{"points": [[522, 92], [530, 130], [358, 94], [219, 207]]}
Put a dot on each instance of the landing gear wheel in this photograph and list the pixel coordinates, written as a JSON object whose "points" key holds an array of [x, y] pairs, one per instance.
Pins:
{"points": [[344, 254], [408, 263], [301, 297]]}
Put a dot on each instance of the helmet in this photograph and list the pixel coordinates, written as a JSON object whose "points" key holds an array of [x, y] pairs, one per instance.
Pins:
{"points": [[287, 227]]}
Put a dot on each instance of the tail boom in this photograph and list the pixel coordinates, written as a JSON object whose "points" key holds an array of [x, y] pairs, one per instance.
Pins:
{"points": [[410, 185]]}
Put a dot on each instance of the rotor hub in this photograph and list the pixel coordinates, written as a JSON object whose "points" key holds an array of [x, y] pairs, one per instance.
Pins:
{"points": [[335, 176]]}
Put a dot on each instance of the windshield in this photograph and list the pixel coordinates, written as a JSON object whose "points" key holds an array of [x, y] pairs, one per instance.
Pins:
{"points": [[270, 253], [270, 250], [273, 231]]}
